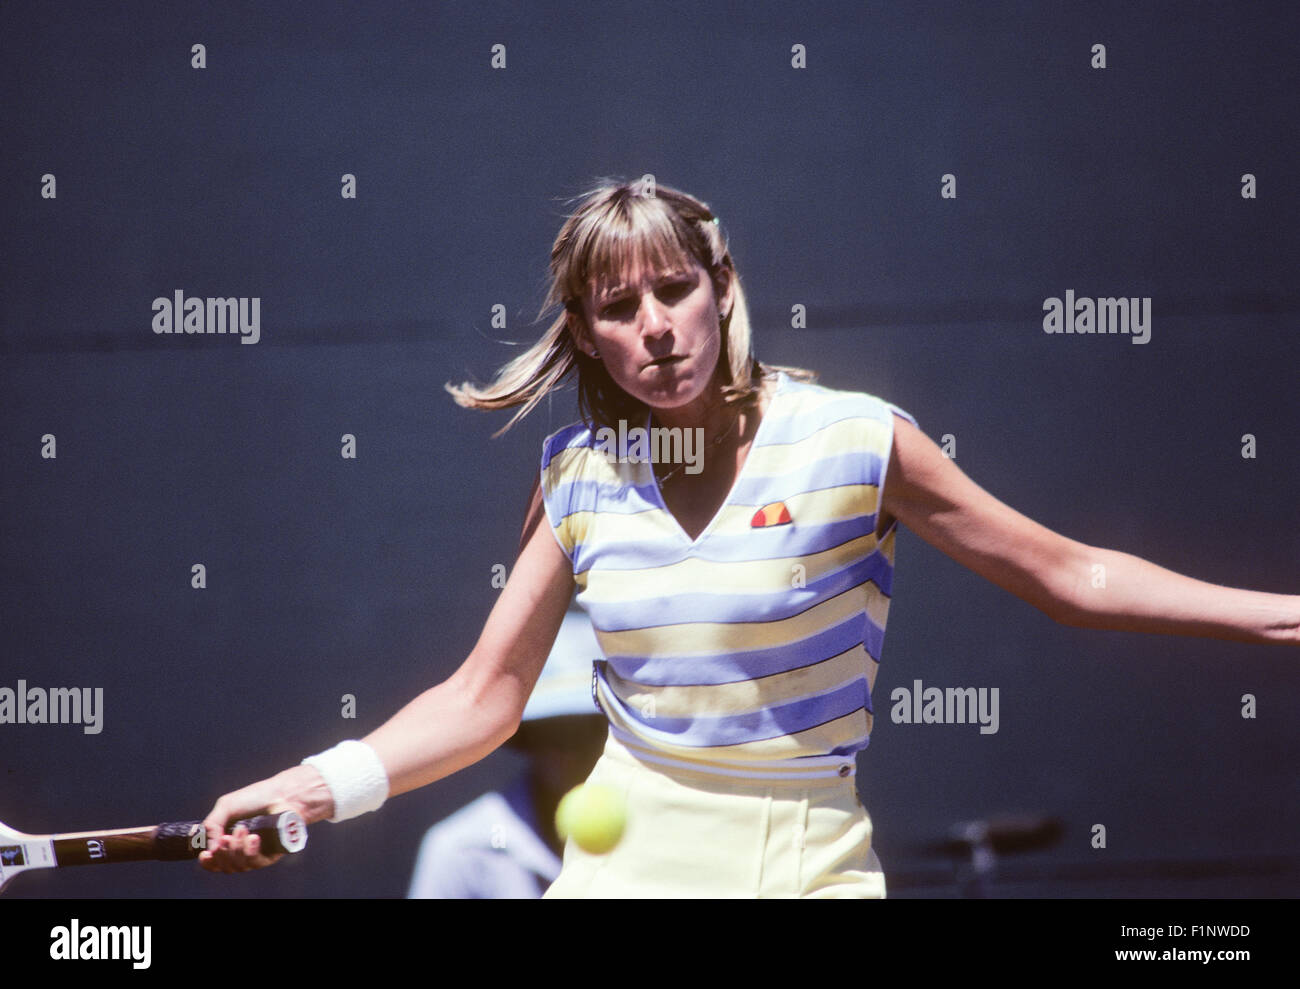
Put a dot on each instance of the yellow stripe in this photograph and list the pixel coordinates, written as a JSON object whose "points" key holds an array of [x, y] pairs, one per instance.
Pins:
{"points": [[847, 435], [803, 402], [745, 697], [569, 533], [810, 508], [582, 463], [564, 466]]}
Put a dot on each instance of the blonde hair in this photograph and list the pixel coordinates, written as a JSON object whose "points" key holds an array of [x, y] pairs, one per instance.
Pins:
{"points": [[614, 227]]}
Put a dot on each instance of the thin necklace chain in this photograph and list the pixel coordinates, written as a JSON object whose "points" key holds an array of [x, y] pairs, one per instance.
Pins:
{"points": [[717, 440]]}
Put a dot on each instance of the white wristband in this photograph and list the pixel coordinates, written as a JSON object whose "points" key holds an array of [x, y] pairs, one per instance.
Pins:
{"points": [[355, 776]]}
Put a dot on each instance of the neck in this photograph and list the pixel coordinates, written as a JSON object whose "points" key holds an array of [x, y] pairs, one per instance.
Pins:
{"points": [[726, 429], [708, 412]]}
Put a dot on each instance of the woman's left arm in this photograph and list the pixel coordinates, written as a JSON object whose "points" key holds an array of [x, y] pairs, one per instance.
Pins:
{"points": [[1071, 582]]}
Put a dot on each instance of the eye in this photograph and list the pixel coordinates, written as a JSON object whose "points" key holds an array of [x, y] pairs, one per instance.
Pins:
{"points": [[676, 291], [618, 309]]}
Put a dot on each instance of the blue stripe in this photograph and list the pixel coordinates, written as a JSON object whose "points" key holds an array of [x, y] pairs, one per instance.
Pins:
{"points": [[591, 496], [775, 541], [733, 667], [571, 436], [757, 726], [734, 607]]}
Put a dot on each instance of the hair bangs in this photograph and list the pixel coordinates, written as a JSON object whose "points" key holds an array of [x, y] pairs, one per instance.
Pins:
{"points": [[632, 233]]}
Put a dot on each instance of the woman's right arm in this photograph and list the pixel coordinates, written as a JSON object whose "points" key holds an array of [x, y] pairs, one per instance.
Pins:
{"points": [[444, 729]]}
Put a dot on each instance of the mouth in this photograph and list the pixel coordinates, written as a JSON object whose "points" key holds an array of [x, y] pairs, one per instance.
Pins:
{"points": [[667, 361]]}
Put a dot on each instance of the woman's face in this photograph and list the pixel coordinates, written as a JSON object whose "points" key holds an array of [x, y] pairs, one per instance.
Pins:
{"points": [[657, 332]]}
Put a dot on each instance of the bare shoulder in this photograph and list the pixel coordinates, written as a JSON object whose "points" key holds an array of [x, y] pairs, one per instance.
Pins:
{"points": [[914, 460], [923, 486], [909, 457]]}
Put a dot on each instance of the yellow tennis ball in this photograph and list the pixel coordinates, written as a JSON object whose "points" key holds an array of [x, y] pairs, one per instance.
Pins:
{"points": [[593, 815]]}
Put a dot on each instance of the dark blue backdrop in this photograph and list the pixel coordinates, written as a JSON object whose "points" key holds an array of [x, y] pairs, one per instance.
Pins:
{"points": [[373, 576]]}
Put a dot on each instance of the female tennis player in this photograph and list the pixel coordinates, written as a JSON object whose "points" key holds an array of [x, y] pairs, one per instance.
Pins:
{"points": [[730, 529]]}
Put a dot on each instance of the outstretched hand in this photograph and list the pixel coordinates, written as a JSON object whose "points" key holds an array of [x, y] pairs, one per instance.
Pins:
{"points": [[299, 789]]}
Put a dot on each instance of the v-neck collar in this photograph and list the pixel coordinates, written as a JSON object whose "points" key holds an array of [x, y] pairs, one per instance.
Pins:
{"points": [[740, 474]]}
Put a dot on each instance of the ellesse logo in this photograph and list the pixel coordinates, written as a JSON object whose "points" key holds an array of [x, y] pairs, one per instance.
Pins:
{"points": [[773, 514]]}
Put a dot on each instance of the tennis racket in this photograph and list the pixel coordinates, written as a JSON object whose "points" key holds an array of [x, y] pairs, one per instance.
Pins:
{"points": [[19, 852]]}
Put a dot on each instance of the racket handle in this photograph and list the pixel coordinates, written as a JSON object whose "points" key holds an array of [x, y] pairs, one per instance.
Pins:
{"points": [[283, 832]]}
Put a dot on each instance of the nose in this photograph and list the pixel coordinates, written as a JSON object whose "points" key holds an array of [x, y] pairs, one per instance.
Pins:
{"points": [[654, 316]]}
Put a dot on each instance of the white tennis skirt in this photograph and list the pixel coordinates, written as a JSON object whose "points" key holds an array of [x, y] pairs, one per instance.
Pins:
{"points": [[689, 835]]}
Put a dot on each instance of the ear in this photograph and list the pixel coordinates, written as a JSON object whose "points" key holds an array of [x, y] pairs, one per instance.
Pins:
{"points": [[576, 325], [724, 288]]}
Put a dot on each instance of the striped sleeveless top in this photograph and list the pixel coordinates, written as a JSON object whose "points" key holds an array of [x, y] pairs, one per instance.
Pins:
{"points": [[750, 651]]}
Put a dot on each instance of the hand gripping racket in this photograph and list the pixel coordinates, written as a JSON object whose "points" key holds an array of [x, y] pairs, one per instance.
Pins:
{"points": [[284, 832]]}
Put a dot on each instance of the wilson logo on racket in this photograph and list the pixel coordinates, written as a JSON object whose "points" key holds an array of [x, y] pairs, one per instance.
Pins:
{"points": [[773, 514]]}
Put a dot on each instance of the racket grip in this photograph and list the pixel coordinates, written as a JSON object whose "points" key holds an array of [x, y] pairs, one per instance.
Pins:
{"points": [[283, 832]]}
